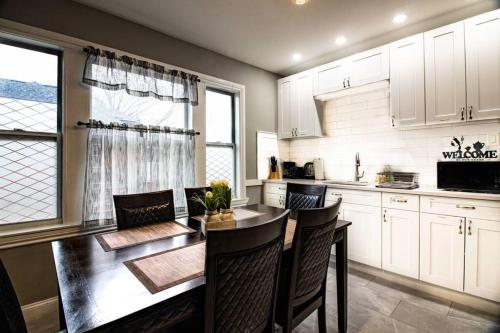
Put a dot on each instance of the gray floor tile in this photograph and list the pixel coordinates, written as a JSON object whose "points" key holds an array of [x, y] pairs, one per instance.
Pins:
{"points": [[465, 312], [431, 321]]}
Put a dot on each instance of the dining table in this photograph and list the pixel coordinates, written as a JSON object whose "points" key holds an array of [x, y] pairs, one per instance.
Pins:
{"points": [[99, 293]]}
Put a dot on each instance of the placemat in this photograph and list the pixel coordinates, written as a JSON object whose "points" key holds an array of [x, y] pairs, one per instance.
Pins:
{"points": [[139, 235], [239, 214], [166, 269]]}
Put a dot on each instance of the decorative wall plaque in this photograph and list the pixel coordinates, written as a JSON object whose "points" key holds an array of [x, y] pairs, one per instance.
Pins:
{"points": [[465, 152]]}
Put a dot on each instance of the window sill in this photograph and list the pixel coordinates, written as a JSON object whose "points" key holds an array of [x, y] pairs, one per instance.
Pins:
{"points": [[45, 233]]}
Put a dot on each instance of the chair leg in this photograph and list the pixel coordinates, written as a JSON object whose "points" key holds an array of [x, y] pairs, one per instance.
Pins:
{"points": [[322, 317]]}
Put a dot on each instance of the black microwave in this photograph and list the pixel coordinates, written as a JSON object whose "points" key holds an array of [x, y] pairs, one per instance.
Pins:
{"points": [[478, 176]]}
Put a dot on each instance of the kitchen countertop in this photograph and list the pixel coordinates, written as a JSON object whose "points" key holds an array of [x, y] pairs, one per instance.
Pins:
{"points": [[371, 187]]}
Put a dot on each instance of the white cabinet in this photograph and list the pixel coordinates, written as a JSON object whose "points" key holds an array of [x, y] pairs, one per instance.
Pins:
{"points": [[364, 241], [482, 40], [407, 82], [442, 250], [482, 258], [297, 114], [369, 66], [275, 194], [400, 242], [445, 74], [359, 69], [330, 77]]}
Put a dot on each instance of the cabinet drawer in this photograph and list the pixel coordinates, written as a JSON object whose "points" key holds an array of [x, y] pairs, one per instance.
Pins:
{"points": [[274, 200], [366, 198], [276, 188], [482, 209], [400, 201]]}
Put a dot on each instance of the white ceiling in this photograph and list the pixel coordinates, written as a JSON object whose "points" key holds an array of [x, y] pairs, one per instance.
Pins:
{"points": [[265, 33]]}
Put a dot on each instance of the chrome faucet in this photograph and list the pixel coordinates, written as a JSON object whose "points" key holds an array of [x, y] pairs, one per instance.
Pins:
{"points": [[357, 176]]}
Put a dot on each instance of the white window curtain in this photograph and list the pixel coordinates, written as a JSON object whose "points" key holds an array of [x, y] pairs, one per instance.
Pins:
{"points": [[130, 160]]}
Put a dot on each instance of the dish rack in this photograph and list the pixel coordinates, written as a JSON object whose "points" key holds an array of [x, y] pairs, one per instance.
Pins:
{"points": [[398, 180]]}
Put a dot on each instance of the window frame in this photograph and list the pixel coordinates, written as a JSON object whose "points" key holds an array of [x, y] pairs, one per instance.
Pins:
{"points": [[233, 144], [56, 137]]}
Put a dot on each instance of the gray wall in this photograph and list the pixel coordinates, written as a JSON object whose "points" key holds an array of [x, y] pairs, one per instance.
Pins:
{"points": [[32, 267]]}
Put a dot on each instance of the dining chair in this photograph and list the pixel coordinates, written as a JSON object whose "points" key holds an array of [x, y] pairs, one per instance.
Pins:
{"points": [[302, 286], [134, 210], [11, 316], [195, 208], [304, 196], [242, 268]]}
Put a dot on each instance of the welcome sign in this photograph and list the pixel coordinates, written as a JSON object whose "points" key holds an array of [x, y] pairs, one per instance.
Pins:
{"points": [[476, 152]]}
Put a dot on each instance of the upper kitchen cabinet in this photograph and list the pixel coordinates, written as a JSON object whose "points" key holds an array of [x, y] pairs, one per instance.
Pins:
{"points": [[359, 69], [445, 74], [297, 114], [482, 42], [407, 82]]}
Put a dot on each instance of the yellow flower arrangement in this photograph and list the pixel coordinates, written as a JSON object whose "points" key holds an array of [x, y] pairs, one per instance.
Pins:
{"points": [[222, 190]]}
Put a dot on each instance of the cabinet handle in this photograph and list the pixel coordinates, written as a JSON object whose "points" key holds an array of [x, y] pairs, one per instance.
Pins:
{"points": [[385, 212], [469, 229], [460, 227], [343, 83], [470, 111], [466, 207], [348, 81], [399, 200], [392, 120], [463, 112]]}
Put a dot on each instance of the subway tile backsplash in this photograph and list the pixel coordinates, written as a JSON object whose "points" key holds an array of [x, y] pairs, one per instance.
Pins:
{"points": [[361, 123]]}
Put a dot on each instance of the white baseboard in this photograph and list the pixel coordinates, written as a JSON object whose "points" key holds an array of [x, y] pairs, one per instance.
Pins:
{"points": [[42, 316]]}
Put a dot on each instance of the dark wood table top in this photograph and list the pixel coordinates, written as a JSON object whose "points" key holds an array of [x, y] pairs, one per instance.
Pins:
{"points": [[96, 288]]}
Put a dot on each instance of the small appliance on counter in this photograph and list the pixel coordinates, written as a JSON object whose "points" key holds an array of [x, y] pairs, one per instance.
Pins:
{"points": [[289, 169], [397, 180], [309, 170], [319, 169], [469, 176]]}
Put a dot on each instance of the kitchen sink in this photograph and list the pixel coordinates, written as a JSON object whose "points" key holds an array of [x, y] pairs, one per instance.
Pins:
{"points": [[345, 182]]}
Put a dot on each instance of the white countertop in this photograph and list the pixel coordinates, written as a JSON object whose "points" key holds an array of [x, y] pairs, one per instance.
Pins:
{"points": [[371, 187]]}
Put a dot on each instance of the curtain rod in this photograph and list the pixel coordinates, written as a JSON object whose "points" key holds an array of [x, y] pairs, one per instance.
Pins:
{"points": [[138, 128]]}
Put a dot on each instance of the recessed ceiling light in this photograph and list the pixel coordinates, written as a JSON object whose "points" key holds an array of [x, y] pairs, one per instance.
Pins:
{"points": [[340, 40], [296, 56], [300, 2], [400, 18]]}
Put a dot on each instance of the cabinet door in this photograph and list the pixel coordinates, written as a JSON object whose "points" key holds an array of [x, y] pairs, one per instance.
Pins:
{"points": [[284, 108], [330, 77], [407, 82], [482, 259], [400, 239], [445, 74], [442, 250], [482, 42], [365, 234], [369, 66], [304, 102]]}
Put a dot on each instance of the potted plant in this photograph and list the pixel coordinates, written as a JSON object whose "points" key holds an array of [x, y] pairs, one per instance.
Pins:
{"points": [[210, 202], [222, 190]]}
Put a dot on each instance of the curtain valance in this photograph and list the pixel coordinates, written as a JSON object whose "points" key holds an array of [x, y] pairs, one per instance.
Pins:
{"points": [[106, 70]]}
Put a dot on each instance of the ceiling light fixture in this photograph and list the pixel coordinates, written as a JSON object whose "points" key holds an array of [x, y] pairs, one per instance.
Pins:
{"points": [[296, 56], [340, 40], [300, 2], [400, 18]]}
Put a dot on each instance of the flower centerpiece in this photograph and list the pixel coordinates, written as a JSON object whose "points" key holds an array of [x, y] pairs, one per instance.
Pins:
{"points": [[222, 190], [210, 201]]}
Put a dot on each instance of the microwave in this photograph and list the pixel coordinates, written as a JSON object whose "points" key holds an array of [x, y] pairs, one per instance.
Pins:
{"points": [[477, 176]]}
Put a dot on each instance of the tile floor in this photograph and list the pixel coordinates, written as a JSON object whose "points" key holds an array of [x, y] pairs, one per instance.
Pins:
{"points": [[378, 306]]}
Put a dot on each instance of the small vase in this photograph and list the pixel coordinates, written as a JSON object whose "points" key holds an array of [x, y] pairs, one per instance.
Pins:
{"points": [[226, 214], [211, 216]]}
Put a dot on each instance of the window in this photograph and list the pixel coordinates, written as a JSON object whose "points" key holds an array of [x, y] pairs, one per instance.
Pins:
{"points": [[118, 106], [220, 136], [30, 132]]}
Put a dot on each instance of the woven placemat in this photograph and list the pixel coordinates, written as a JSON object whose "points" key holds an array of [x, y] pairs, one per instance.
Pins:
{"points": [[166, 269], [139, 235]]}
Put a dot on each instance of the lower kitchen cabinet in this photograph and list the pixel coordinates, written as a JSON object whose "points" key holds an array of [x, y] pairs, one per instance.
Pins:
{"points": [[364, 240], [400, 242], [482, 258], [442, 250]]}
